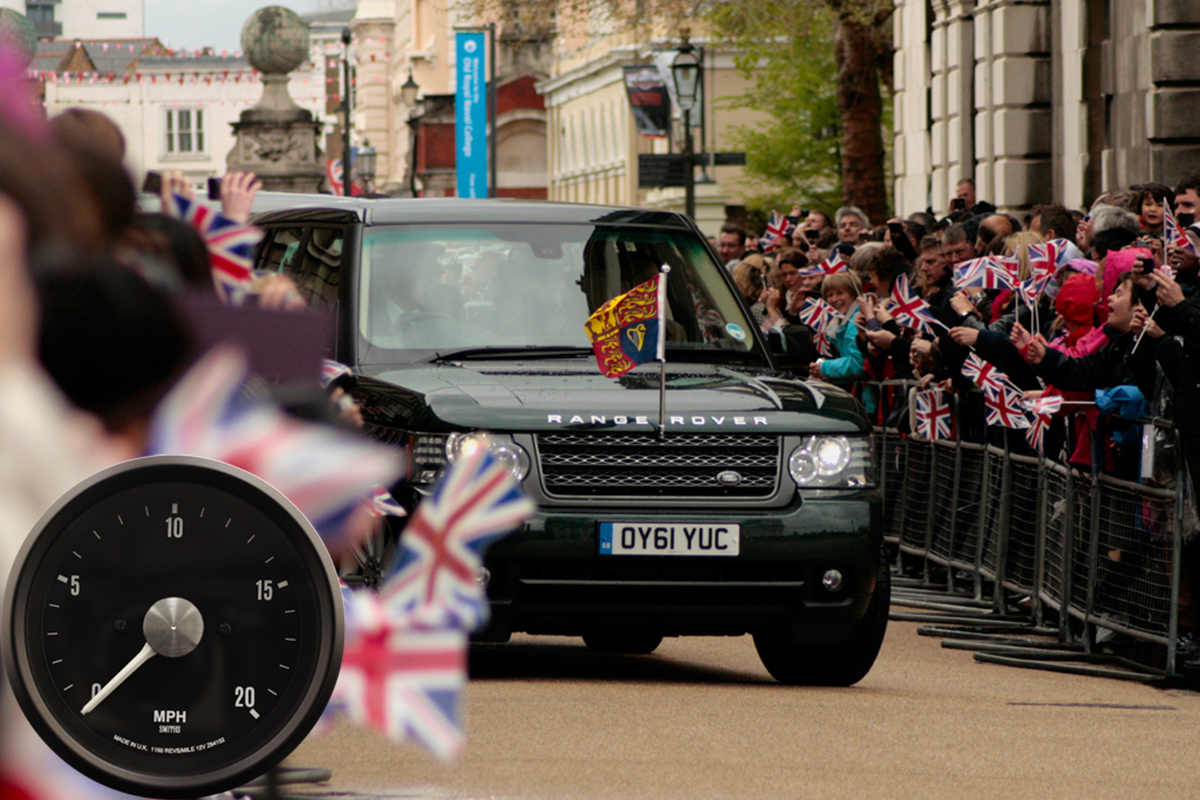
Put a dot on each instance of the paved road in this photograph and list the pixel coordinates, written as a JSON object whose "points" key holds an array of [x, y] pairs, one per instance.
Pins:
{"points": [[701, 719]]}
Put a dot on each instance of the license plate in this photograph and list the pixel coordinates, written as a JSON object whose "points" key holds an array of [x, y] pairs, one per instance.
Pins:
{"points": [[656, 539]]}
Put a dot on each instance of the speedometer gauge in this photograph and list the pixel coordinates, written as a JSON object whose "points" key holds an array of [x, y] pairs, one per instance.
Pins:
{"points": [[173, 627]]}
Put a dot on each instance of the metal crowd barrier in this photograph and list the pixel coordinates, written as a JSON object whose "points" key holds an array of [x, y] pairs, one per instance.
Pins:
{"points": [[1052, 540]]}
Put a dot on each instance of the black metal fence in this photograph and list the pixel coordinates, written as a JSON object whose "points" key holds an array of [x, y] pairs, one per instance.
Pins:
{"points": [[1070, 543]]}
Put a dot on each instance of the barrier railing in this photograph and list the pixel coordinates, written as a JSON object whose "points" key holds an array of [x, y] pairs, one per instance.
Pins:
{"points": [[1071, 543]]}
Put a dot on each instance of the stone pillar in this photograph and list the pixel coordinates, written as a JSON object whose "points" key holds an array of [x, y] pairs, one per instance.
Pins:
{"points": [[1174, 106], [913, 79], [952, 93], [1012, 103], [277, 139], [1069, 28]]}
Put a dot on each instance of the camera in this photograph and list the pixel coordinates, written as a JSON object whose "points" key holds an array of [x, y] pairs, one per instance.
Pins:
{"points": [[1145, 265], [1186, 220], [153, 183], [214, 188], [959, 204]]}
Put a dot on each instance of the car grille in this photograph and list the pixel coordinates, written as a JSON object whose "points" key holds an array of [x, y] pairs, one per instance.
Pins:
{"points": [[641, 465]]}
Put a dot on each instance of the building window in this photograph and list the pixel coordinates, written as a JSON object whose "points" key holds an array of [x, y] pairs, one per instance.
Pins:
{"points": [[184, 129], [111, 15]]}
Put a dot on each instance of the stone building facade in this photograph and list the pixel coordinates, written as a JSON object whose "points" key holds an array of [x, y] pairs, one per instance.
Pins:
{"points": [[1043, 99]]}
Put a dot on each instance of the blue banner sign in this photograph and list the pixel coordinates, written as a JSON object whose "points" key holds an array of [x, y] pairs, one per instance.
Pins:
{"points": [[470, 106]]}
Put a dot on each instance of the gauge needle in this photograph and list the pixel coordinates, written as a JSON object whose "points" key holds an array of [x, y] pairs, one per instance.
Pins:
{"points": [[144, 655]]}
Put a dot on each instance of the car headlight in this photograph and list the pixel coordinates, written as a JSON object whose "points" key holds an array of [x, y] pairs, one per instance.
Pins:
{"points": [[833, 462], [510, 454]]}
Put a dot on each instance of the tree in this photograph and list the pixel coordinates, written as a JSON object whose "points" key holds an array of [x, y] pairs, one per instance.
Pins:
{"points": [[862, 52], [796, 152]]}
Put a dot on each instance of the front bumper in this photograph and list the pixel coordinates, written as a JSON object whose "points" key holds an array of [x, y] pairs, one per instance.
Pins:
{"points": [[549, 577]]}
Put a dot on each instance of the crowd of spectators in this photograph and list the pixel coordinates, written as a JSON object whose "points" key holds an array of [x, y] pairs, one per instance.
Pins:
{"points": [[1094, 308], [96, 338]]}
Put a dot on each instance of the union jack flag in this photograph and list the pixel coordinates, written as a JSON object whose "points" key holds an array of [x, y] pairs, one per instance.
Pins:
{"points": [[405, 682], [384, 505], [1173, 233], [1042, 411], [933, 415], [820, 316], [1043, 263], [910, 309], [230, 246], [477, 501], [830, 266], [989, 272], [1005, 408], [331, 371], [779, 228], [327, 473], [985, 375]]}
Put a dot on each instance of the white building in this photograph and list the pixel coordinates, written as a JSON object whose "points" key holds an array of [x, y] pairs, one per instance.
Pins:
{"points": [[84, 19], [175, 111]]}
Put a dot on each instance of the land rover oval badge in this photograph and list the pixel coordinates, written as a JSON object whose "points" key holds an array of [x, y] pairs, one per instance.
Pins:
{"points": [[729, 478]]}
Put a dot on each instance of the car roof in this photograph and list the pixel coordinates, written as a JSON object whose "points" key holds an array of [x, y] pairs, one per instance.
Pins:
{"points": [[390, 211]]}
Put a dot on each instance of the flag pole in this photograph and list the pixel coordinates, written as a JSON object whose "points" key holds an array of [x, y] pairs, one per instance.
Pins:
{"points": [[663, 271]]}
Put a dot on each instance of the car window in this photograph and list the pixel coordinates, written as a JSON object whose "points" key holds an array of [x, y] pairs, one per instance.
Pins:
{"points": [[311, 258], [280, 249], [443, 287]]}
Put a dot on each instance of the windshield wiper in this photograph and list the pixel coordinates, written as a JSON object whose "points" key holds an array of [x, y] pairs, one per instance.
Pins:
{"points": [[510, 353]]}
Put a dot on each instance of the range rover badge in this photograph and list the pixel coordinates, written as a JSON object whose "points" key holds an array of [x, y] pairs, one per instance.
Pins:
{"points": [[729, 478]]}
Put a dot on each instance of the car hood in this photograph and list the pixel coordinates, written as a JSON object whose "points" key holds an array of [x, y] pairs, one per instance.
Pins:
{"points": [[511, 396]]}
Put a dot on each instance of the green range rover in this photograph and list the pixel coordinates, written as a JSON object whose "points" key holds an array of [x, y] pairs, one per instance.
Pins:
{"points": [[753, 510]]}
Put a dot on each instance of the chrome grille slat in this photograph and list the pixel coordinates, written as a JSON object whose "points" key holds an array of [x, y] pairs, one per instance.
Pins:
{"points": [[683, 466]]}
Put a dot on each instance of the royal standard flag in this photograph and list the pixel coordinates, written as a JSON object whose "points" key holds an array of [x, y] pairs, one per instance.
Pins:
{"points": [[629, 329]]}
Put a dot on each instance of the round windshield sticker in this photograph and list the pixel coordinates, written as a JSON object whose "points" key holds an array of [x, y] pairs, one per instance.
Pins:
{"points": [[736, 332]]}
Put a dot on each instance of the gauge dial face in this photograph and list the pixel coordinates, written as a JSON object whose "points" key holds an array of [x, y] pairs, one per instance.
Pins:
{"points": [[175, 627]]}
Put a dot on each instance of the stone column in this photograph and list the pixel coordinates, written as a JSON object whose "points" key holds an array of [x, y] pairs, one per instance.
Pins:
{"points": [[911, 106], [1174, 105], [277, 139], [952, 134]]}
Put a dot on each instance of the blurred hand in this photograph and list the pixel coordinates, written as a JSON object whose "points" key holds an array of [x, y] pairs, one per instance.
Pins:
{"points": [[814, 370], [1170, 293], [1037, 350], [771, 299], [961, 303], [796, 303], [967, 337], [1140, 317], [278, 293], [881, 339], [922, 348], [237, 195], [18, 318], [1019, 336], [173, 182], [348, 408]]}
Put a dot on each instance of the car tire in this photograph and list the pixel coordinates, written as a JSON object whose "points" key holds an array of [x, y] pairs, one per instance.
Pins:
{"points": [[635, 643], [844, 664]]}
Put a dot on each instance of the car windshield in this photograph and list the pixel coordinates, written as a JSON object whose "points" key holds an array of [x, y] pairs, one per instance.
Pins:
{"points": [[435, 290]]}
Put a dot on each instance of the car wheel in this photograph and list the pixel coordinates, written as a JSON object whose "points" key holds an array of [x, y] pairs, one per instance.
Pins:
{"points": [[637, 643], [843, 664]]}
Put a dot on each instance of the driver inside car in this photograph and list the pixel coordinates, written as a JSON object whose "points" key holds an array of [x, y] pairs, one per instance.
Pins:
{"points": [[411, 277]]}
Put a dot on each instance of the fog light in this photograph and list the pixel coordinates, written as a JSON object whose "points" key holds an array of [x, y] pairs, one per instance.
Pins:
{"points": [[483, 576], [833, 580]]}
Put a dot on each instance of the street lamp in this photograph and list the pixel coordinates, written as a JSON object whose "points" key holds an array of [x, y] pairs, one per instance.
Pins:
{"points": [[408, 92], [685, 71], [347, 35], [364, 164], [408, 95]]}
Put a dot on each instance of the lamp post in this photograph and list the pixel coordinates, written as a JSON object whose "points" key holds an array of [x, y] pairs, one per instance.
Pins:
{"points": [[685, 70], [346, 161], [408, 95]]}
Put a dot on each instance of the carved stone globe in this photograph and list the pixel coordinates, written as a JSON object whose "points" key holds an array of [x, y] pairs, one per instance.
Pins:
{"points": [[18, 35], [275, 40]]}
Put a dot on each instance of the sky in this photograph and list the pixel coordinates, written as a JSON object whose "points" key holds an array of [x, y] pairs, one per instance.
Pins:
{"points": [[193, 24]]}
